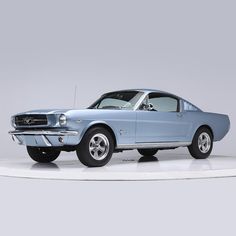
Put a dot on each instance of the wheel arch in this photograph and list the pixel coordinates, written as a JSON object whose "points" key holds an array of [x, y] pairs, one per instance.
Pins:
{"points": [[204, 126], [104, 125]]}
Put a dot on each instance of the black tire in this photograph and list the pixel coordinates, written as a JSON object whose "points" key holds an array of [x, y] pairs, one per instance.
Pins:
{"points": [[90, 145], [196, 149], [43, 154], [147, 152]]}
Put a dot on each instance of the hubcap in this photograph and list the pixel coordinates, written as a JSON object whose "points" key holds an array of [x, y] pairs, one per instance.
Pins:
{"points": [[204, 142], [99, 147]]}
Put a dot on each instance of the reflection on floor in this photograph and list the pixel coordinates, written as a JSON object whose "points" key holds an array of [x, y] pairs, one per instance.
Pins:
{"points": [[123, 167]]}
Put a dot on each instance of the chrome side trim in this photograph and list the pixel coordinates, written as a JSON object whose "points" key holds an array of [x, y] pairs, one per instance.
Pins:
{"points": [[153, 145], [44, 132]]}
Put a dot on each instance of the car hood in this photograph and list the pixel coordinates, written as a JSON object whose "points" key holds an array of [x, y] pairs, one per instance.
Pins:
{"points": [[45, 111], [83, 113]]}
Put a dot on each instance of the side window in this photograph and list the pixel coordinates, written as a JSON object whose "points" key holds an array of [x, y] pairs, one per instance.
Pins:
{"points": [[189, 107], [161, 103]]}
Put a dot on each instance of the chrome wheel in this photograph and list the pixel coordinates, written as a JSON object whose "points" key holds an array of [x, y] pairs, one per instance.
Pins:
{"points": [[99, 147], [204, 142]]}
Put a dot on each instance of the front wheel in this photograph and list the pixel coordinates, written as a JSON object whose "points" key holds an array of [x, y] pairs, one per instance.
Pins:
{"points": [[43, 154], [202, 144], [147, 152], [96, 147]]}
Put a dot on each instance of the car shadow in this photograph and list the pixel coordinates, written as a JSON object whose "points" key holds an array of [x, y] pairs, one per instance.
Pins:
{"points": [[48, 166], [163, 160], [148, 159]]}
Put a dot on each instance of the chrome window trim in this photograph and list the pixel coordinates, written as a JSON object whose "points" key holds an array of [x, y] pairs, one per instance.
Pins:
{"points": [[145, 95], [138, 104]]}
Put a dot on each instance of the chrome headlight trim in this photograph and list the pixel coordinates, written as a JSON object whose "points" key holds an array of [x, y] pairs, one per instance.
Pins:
{"points": [[62, 120], [13, 122]]}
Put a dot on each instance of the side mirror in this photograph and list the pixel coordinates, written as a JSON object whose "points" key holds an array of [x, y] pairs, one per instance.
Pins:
{"points": [[150, 107], [147, 107]]}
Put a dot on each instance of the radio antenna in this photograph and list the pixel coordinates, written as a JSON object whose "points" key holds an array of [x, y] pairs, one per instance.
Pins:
{"points": [[75, 97]]}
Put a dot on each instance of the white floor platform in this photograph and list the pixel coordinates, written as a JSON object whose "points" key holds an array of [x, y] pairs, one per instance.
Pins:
{"points": [[123, 167]]}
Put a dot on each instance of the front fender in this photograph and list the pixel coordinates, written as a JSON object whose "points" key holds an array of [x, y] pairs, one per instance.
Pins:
{"points": [[94, 123]]}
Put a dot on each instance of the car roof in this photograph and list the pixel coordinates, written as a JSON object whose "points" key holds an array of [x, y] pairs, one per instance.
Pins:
{"points": [[145, 90]]}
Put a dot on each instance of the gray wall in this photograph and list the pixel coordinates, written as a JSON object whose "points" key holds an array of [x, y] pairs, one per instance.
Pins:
{"points": [[48, 47]]}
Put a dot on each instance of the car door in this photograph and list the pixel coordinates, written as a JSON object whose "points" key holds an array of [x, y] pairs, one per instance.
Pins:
{"points": [[160, 119]]}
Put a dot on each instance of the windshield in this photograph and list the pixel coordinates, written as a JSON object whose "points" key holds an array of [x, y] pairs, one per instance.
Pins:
{"points": [[118, 100]]}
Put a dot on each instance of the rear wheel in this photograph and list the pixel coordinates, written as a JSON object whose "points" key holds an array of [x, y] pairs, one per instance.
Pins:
{"points": [[147, 152], [96, 147], [202, 144], [43, 154]]}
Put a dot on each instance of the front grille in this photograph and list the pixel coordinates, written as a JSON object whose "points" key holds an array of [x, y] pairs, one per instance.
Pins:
{"points": [[31, 120]]}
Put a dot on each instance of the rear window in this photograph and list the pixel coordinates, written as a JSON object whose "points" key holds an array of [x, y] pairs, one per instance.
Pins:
{"points": [[189, 107]]}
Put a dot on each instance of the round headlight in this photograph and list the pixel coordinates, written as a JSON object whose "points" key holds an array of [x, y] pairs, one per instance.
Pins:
{"points": [[62, 119], [13, 122]]}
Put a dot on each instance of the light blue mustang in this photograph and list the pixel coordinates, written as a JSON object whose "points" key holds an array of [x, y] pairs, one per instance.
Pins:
{"points": [[143, 119]]}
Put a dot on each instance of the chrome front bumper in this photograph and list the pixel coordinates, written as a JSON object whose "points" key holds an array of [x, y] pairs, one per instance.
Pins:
{"points": [[45, 138]]}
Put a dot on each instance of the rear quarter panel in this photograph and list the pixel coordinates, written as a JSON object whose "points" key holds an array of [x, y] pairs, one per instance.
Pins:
{"points": [[219, 123]]}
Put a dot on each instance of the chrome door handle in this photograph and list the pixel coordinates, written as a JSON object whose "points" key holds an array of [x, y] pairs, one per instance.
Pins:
{"points": [[179, 114]]}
